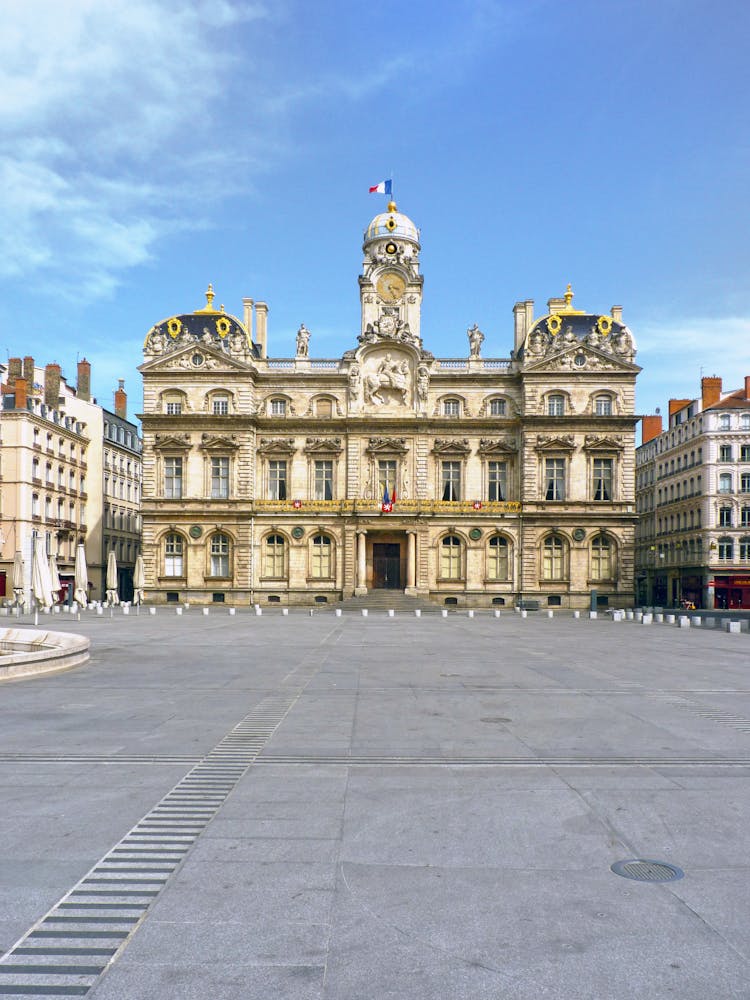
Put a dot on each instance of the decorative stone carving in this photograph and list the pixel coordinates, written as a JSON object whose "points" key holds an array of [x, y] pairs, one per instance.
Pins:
{"points": [[604, 442], [303, 342], [172, 442], [331, 446], [385, 444], [388, 382], [555, 442], [451, 446], [423, 382], [277, 446], [388, 327], [219, 442], [489, 446], [476, 338], [355, 382]]}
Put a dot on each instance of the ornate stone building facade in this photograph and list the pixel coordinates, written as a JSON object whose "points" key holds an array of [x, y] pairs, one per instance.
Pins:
{"points": [[472, 481]]}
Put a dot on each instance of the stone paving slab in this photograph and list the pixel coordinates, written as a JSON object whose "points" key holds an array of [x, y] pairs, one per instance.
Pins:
{"points": [[339, 880]]}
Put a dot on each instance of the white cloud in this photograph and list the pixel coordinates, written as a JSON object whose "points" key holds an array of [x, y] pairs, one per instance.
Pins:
{"points": [[95, 96]]}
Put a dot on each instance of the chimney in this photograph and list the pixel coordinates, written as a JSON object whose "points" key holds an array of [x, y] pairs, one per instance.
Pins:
{"points": [[20, 388], [523, 318], [121, 400], [261, 322], [747, 387], [83, 383], [555, 305], [616, 313], [51, 385], [248, 313], [650, 427], [14, 370], [677, 404], [28, 371], [710, 391]]}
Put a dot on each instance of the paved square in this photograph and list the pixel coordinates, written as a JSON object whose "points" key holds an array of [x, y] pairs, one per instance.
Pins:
{"points": [[431, 810]]}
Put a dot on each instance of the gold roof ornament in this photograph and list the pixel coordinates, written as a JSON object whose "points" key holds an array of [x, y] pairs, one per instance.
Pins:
{"points": [[392, 207], [210, 294], [568, 307]]}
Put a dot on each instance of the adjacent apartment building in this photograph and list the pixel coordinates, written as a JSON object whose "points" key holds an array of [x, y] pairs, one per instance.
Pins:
{"points": [[52, 481], [693, 500], [468, 480]]}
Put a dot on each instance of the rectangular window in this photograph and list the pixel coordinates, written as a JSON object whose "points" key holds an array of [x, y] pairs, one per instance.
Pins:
{"points": [[278, 407], [603, 475], [725, 453], [221, 405], [554, 476], [726, 548], [744, 549], [277, 479], [603, 406], [174, 409], [323, 480], [745, 453], [725, 482], [451, 480], [744, 483], [725, 517], [220, 556], [173, 556], [219, 478], [173, 478], [451, 408], [497, 480], [745, 517], [555, 405], [497, 407], [386, 477]]}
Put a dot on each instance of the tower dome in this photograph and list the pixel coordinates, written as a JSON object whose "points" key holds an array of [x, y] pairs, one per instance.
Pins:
{"points": [[392, 223]]}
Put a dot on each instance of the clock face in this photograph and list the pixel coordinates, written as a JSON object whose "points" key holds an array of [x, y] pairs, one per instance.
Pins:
{"points": [[390, 286]]}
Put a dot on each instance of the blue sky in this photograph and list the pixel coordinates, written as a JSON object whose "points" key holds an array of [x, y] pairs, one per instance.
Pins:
{"points": [[150, 147]]}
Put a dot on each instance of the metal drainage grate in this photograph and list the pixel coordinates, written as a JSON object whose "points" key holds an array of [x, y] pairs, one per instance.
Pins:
{"points": [[642, 870]]}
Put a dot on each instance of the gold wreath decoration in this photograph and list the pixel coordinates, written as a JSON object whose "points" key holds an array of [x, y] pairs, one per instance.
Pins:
{"points": [[223, 326], [174, 326], [390, 224], [604, 325], [554, 324]]}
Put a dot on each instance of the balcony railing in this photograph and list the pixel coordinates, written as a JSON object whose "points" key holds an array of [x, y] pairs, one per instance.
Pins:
{"points": [[400, 507]]}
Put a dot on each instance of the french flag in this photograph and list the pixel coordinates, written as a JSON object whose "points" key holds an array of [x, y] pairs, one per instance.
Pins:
{"points": [[383, 188]]}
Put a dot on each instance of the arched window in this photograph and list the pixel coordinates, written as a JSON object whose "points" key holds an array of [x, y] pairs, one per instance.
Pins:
{"points": [[497, 408], [273, 556], [553, 558], [321, 558], [498, 563], [603, 406], [601, 558], [555, 405], [220, 555], [173, 555], [451, 407], [450, 558]]}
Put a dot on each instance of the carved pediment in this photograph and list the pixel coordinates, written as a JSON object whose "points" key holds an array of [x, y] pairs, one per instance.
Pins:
{"points": [[555, 442], [276, 446], [219, 442], [323, 446], [194, 357], [604, 442], [386, 445], [497, 446], [451, 446], [172, 442], [579, 359]]}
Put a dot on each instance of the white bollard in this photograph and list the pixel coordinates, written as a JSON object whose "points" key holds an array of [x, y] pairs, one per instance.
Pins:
{"points": [[337, 612], [639, 616], [517, 609], [471, 614], [391, 613], [258, 611], [205, 610], [709, 623], [233, 611], [697, 620], [66, 609], [152, 611], [364, 612], [178, 611], [257, 607], [734, 627], [647, 619], [629, 616], [285, 611], [444, 613], [550, 613], [684, 621], [524, 613], [593, 614], [669, 619], [576, 614], [100, 611], [658, 616], [311, 612], [497, 612], [186, 605], [417, 613], [125, 609]]}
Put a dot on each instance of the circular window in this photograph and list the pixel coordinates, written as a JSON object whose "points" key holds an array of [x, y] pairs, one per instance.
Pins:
{"points": [[580, 360], [197, 360]]}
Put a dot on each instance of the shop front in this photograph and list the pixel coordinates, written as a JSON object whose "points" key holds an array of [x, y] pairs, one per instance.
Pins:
{"points": [[731, 592]]}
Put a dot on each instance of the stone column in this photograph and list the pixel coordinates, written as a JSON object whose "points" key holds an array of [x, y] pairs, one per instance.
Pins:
{"points": [[361, 589], [411, 563]]}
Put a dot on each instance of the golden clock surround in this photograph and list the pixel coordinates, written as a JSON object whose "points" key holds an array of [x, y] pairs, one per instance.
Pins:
{"points": [[390, 286]]}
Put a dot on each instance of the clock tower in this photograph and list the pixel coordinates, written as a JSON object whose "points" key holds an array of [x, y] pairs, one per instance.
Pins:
{"points": [[390, 286]]}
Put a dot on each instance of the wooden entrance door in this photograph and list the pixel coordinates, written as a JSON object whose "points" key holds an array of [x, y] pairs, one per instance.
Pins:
{"points": [[386, 566]]}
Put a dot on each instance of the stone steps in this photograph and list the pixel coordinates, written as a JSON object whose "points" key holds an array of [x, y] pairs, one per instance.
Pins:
{"points": [[386, 600]]}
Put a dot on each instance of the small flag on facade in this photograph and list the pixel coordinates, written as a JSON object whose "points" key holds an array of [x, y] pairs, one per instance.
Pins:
{"points": [[477, 505], [296, 504], [386, 505], [383, 188]]}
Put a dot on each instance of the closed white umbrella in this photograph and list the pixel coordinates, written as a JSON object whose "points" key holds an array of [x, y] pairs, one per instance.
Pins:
{"points": [[81, 593], [112, 596], [41, 581], [18, 590], [54, 578], [139, 581]]}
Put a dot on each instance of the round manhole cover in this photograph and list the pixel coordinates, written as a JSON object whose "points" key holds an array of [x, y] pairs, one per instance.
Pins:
{"points": [[642, 870]]}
